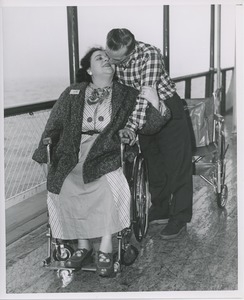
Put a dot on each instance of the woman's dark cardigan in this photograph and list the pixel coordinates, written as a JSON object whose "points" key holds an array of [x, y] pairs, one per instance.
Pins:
{"points": [[64, 128]]}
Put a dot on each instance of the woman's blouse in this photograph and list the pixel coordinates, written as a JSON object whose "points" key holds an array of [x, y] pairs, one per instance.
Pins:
{"points": [[97, 111]]}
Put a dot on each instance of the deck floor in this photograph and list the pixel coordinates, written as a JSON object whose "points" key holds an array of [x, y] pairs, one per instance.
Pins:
{"points": [[205, 258]]}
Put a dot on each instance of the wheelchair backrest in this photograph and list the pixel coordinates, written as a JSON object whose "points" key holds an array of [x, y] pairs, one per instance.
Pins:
{"points": [[200, 112]]}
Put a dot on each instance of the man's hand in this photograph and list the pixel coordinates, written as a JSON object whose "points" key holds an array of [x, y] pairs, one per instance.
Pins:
{"points": [[127, 136], [151, 95]]}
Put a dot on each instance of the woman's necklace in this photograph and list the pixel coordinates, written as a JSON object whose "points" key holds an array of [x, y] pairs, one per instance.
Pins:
{"points": [[98, 95]]}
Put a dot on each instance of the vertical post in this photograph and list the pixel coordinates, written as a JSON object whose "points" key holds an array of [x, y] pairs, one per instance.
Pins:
{"points": [[166, 37], [188, 88], [223, 94], [72, 23], [211, 66], [218, 44], [218, 51]]}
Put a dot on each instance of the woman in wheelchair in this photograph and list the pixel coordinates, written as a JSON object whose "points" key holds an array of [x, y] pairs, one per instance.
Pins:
{"points": [[88, 194]]}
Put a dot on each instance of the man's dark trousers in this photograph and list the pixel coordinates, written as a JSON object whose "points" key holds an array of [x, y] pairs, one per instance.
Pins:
{"points": [[169, 157]]}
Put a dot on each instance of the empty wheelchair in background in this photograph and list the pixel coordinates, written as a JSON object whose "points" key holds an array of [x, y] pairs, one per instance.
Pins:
{"points": [[58, 250], [208, 141]]}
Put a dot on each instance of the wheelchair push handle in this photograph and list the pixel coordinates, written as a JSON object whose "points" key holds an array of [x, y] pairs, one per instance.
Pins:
{"points": [[48, 142]]}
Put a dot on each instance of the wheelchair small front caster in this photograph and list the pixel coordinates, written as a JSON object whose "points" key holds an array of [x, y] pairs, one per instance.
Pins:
{"points": [[222, 197], [46, 262], [66, 276], [62, 252], [129, 255]]}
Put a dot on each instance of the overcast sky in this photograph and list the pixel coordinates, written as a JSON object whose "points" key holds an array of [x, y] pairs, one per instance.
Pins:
{"points": [[35, 38]]}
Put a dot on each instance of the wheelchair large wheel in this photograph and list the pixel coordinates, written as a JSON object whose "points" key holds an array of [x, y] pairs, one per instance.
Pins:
{"points": [[140, 198], [62, 254]]}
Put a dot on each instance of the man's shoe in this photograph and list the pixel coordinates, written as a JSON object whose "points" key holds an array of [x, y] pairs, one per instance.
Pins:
{"points": [[173, 229], [155, 217], [78, 258]]}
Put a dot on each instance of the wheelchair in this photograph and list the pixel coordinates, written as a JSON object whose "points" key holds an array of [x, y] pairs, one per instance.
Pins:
{"points": [[136, 173], [209, 145]]}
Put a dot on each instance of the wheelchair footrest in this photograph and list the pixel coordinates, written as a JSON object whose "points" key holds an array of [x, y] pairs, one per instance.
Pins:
{"points": [[59, 265], [90, 268], [203, 168], [205, 150]]}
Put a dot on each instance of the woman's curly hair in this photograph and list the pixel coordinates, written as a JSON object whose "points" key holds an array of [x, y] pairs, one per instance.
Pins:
{"points": [[85, 64]]}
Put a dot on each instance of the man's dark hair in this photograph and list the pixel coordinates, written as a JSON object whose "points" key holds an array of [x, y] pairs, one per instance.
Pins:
{"points": [[85, 63], [120, 37]]}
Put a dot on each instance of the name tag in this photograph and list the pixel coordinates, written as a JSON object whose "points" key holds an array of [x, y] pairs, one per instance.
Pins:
{"points": [[74, 92]]}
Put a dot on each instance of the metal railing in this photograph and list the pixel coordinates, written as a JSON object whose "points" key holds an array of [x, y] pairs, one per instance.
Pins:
{"points": [[24, 125], [209, 86], [23, 177]]}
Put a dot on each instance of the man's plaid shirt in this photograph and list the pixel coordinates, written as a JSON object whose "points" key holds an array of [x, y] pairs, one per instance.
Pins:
{"points": [[145, 67]]}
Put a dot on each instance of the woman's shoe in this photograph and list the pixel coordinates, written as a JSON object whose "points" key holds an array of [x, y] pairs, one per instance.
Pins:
{"points": [[105, 264], [78, 258]]}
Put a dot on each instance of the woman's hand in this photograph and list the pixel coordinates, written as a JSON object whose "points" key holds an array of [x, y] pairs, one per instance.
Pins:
{"points": [[151, 95], [127, 136]]}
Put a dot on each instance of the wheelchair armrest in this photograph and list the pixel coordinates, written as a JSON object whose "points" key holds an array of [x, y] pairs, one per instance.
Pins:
{"points": [[124, 140], [218, 118], [47, 141]]}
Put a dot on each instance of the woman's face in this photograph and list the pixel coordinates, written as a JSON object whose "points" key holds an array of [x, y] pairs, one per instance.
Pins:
{"points": [[100, 65]]}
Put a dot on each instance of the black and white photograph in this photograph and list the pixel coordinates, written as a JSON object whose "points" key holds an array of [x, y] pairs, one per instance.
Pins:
{"points": [[121, 173]]}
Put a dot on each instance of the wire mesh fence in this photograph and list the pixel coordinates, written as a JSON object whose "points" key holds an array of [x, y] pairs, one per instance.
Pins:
{"points": [[23, 176]]}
